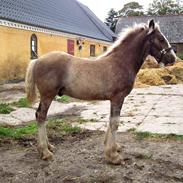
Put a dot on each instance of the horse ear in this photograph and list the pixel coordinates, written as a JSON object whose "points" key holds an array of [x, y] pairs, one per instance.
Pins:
{"points": [[151, 26]]}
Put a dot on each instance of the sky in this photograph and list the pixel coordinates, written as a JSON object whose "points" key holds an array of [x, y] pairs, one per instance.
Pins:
{"points": [[102, 7]]}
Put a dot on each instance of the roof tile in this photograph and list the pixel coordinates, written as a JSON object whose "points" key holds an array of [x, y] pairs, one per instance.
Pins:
{"points": [[171, 25], [62, 15]]}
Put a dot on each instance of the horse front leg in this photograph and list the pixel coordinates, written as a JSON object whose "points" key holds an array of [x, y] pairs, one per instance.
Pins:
{"points": [[43, 144], [111, 148]]}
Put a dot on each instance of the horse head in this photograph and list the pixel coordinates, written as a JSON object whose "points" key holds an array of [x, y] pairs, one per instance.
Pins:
{"points": [[158, 45]]}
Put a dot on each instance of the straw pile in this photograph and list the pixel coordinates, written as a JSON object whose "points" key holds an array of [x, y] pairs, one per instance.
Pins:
{"points": [[152, 75]]}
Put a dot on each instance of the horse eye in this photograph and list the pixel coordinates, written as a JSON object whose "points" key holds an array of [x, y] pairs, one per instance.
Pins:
{"points": [[161, 40]]}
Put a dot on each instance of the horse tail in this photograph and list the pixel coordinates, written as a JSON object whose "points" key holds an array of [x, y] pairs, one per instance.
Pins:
{"points": [[30, 85]]}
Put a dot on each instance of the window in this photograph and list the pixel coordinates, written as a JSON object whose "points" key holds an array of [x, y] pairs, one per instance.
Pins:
{"points": [[70, 46], [33, 45], [104, 48], [174, 46], [92, 50]]}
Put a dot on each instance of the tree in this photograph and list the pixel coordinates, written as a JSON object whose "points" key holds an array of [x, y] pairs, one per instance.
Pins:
{"points": [[132, 9], [111, 20], [163, 7]]}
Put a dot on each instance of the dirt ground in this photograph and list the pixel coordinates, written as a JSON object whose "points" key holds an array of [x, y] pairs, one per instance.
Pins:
{"points": [[79, 159]]}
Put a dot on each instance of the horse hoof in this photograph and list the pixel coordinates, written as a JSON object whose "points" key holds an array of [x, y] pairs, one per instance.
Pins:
{"points": [[47, 155], [115, 159], [51, 147], [118, 147]]}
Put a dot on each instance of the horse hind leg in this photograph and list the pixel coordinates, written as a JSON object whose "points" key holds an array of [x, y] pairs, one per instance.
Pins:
{"points": [[43, 144]]}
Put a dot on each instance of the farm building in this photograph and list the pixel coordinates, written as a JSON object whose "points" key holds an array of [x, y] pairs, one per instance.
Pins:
{"points": [[29, 29], [171, 26]]}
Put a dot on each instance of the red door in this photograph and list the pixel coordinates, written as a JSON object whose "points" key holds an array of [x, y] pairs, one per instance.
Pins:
{"points": [[70, 46]]}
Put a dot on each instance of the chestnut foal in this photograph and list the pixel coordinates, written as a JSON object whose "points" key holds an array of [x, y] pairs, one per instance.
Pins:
{"points": [[108, 77]]}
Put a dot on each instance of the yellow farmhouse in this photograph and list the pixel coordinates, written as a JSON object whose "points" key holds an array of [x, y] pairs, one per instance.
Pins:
{"points": [[29, 29]]}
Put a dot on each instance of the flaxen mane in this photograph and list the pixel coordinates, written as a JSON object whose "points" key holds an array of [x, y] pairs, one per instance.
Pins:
{"points": [[125, 35]]}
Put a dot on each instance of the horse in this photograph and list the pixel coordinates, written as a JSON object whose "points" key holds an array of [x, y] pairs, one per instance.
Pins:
{"points": [[110, 76]]}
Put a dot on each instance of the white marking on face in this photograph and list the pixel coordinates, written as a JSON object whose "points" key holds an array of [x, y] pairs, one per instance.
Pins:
{"points": [[171, 51]]}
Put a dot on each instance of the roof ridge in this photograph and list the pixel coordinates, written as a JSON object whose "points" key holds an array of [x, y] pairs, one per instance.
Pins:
{"points": [[171, 15], [98, 27]]}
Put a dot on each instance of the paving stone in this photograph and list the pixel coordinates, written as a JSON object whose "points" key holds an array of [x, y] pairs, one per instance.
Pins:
{"points": [[135, 120], [160, 90], [57, 108], [168, 106], [11, 96], [125, 124], [162, 125], [126, 127], [12, 86], [7, 119], [102, 126], [24, 114], [99, 111]]}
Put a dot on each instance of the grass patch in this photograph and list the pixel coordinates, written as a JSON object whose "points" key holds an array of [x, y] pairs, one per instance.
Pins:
{"points": [[145, 135], [62, 126], [131, 130], [57, 126], [63, 99], [93, 120], [5, 108], [23, 102], [144, 156], [18, 132], [81, 121]]}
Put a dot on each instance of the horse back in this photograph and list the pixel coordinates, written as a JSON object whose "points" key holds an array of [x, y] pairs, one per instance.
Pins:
{"points": [[50, 71]]}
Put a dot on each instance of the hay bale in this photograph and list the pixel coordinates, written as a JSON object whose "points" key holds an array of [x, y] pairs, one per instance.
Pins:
{"points": [[138, 84], [155, 77], [170, 79], [166, 76], [177, 71], [150, 62], [149, 76]]}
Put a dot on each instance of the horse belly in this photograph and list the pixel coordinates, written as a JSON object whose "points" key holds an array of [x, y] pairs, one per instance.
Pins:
{"points": [[85, 91], [87, 80]]}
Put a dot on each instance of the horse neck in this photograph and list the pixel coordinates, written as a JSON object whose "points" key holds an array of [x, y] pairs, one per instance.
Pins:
{"points": [[131, 52]]}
